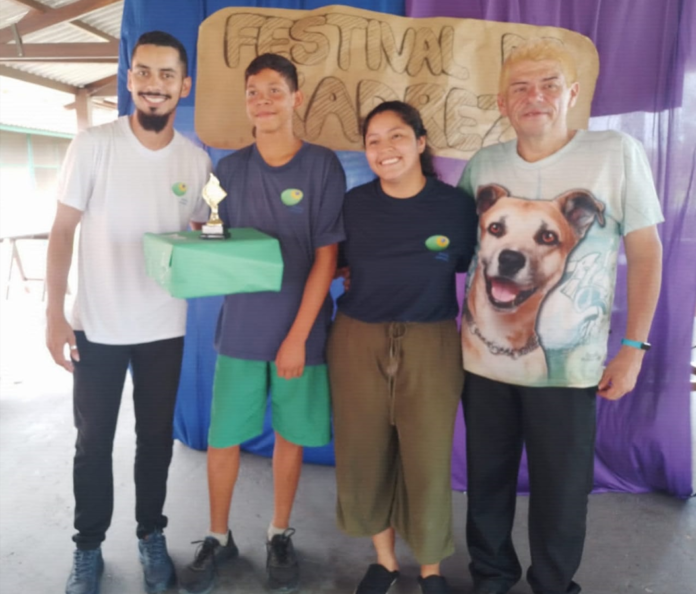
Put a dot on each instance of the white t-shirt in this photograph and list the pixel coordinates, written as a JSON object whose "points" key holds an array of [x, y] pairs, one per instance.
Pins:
{"points": [[550, 269], [125, 190]]}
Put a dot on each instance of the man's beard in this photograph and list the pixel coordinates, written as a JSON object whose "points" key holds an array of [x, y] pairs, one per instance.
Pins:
{"points": [[153, 122]]}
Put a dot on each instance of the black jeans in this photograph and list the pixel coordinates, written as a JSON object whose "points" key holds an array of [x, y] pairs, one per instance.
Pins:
{"points": [[99, 378], [558, 427]]}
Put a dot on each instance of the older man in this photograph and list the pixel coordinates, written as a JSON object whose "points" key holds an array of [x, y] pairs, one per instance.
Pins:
{"points": [[553, 206]]}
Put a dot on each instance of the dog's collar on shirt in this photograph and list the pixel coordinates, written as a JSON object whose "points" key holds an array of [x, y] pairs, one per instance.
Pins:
{"points": [[496, 349]]}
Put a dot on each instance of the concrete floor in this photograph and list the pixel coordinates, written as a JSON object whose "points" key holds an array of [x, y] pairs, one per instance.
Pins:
{"points": [[636, 544]]}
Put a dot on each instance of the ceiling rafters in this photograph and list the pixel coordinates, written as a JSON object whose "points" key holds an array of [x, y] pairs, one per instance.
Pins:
{"points": [[39, 18], [37, 80], [42, 9], [105, 87], [99, 52]]}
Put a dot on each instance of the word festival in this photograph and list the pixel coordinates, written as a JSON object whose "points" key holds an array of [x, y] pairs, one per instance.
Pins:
{"points": [[360, 46]]}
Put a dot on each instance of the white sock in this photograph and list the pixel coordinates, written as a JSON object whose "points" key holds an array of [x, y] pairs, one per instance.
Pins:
{"points": [[273, 531], [223, 539]]}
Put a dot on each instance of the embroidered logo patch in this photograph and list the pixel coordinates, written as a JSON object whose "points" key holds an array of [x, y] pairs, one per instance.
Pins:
{"points": [[437, 243], [290, 197], [179, 188]]}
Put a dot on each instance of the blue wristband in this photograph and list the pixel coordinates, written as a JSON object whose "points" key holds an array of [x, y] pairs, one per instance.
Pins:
{"points": [[643, 346]]}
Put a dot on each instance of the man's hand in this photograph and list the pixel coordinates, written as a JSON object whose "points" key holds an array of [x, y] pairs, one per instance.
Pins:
{"points": [[58, 334], [345, 274], [621, 373], [290, 360]]}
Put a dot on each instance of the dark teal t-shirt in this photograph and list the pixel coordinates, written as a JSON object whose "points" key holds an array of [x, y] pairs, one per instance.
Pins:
{"points": [[300, 204], [403, 252]]}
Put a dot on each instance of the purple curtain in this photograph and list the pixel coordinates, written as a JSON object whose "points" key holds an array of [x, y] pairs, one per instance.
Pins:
{"points": [[647, 88]]}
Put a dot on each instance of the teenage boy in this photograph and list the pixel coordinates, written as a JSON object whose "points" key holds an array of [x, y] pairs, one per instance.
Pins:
{"points": [[291, 190], [119, 181], [554, 206]]}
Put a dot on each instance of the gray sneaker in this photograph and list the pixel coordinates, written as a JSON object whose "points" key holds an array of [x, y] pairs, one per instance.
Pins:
{"points": [[199, 577], [282, 568], [87, 569], [158, 569]]}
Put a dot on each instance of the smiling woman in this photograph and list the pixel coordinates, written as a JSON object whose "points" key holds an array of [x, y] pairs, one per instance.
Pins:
{"points": [[407, 233]]}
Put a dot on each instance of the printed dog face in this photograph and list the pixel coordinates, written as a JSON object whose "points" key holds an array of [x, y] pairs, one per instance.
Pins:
{"points": [[524, 243]]}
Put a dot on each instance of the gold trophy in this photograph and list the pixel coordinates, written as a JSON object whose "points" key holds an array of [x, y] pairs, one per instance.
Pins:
{"points": [[213, 194]]}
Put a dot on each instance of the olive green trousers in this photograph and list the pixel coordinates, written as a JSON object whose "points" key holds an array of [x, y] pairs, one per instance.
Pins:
{"points": [[395, 389]]}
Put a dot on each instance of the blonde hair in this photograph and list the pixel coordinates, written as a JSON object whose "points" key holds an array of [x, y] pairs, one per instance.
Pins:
{"points": [[536, 50]]}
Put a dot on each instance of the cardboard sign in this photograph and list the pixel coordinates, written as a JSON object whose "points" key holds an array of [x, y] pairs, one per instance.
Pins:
{"points": [[349, 60]]}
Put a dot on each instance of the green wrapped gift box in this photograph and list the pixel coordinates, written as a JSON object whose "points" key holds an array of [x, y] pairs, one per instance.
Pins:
{"points": [[188, 266]]}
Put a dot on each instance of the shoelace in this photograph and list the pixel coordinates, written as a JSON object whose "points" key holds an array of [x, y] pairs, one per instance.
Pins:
{"points": [[155, 547], [85, 565], [204, 551], [279, 545]]}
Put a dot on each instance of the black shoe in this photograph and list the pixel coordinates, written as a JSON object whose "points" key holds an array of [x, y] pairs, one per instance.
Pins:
{"points": [[87, 569], [433, 584], [282, 569], [377, 580], [158, 569], [199, 577]]}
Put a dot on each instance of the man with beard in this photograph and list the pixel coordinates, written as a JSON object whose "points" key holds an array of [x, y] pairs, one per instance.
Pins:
{"points": [[120, 180]]}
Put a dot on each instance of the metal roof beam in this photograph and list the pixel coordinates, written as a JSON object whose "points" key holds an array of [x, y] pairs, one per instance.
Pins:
{"points": [[42, 8], [93, 30], [35, 21], [61, 52], [106, 87], [37, 80]]}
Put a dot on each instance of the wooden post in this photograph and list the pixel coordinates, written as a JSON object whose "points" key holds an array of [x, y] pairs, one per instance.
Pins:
{"points": [[83, 109]]}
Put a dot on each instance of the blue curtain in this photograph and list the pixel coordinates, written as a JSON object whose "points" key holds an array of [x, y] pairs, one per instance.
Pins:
{"points": [[182, 18], [646, 87]]}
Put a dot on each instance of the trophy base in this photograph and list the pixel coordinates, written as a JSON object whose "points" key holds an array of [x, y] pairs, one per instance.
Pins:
{"points": [[214, 232]]}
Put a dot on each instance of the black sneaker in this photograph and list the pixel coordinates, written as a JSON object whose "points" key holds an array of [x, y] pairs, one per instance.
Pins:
{"points": [[282, 569], [433, 584], [87, 569], [377, 580], [158, 569], [199, 577]]}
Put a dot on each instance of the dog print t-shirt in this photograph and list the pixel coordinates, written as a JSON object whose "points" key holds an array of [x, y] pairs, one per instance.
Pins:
{"points": [[540, 288]]}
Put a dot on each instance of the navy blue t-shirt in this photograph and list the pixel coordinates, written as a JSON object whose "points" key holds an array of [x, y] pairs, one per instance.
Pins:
{"points": [[298, 203], [403, 252]]}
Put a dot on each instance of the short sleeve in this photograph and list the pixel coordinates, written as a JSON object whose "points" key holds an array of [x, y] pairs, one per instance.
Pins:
{"points": [[469, 231], [641, 206], [201, 211], [466, 180], [76, 180], [328, 224]]}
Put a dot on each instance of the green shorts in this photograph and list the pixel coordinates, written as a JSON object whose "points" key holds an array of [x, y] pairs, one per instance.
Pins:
{"points": [[301, 406]]}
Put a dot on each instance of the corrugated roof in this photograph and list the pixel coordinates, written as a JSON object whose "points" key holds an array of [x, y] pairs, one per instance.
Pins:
{"points": [[11, 12], [60, 33], [29, 106], [77, 75], [107, 20]]}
